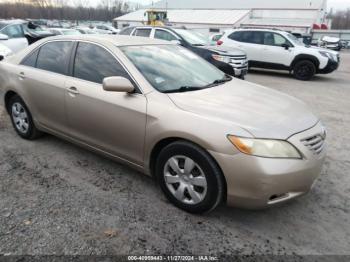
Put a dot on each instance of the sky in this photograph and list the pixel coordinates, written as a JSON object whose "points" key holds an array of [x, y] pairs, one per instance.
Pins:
{"points": [[335, 4]]}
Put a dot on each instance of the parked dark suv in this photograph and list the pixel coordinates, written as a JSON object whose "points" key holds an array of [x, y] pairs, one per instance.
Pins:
{"points": [[232, 61]]}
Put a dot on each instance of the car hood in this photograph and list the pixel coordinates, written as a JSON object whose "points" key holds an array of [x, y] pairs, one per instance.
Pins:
{"points": [[261, 111], [322, 49], [225, 50]]}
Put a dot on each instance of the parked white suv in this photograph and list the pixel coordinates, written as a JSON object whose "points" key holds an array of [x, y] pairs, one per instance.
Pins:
{"points": [[275, 49]]}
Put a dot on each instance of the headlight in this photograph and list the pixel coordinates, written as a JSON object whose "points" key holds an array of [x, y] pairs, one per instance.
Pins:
{"points": [[5, 52], [221, 58], [328, 55], [265, 147]]}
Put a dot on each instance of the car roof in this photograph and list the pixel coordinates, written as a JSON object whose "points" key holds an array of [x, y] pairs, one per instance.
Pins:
{"points": [[117, 40], [257, 29]]}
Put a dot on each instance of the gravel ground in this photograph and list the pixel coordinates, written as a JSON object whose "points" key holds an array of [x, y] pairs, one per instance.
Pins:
{"points": [[56, 198]]}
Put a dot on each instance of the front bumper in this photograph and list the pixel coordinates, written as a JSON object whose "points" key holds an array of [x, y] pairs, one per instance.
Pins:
{"points": [[330, 67], [234, 71], [256, 182]]}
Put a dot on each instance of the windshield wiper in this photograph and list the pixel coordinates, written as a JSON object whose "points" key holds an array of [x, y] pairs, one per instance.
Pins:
{"points": [[225, 79], [184, 89]]}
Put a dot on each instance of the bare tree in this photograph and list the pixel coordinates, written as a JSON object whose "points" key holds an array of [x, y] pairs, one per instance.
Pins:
{"points": [[63, 9]]}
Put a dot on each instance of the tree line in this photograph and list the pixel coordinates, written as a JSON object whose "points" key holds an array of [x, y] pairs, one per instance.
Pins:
{"points": [[106, 10], [340, 19]]}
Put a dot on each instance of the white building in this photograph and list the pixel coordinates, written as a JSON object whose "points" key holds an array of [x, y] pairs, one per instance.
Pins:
{"points": [[211, 16]]}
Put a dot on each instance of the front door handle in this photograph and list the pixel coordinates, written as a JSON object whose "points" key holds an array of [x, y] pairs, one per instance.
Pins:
{"points": [[21, 76], [73, 90]]}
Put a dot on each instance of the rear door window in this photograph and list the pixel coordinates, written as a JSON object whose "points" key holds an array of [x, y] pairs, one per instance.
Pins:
{"points": [[164, 35], [252, 37], [54, 57], [236, 36], [126, 31], [143, 32]]}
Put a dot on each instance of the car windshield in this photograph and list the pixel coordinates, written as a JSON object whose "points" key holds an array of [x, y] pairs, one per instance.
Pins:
{"points": [[171, 68], [193, 38], [2, 25], [295, 40]]}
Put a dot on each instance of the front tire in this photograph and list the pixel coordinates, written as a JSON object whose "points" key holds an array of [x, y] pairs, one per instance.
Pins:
{"points": [[189, 177], [304, 70], [22, 120]]}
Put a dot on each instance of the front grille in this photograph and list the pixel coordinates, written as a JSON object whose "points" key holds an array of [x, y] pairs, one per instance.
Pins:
{"points": [[315, 143], [239, 61]]}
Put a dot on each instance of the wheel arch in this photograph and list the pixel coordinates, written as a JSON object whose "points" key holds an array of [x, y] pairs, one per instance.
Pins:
{"points": [[307, 57], [8, 95], [157, 148]]}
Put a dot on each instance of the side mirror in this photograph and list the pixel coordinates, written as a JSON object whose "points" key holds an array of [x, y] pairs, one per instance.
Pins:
{"points": [[118, 84], [3, 37], [176, 42], [1, 57], [285, 46]]}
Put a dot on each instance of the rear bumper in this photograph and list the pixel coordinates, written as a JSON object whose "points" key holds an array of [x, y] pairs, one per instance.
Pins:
{"points": [[256, 182]]}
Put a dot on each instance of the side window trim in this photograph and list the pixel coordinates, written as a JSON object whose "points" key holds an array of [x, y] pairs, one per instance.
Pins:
{"points": [[72, 59], [28, 55], [138, 89]]}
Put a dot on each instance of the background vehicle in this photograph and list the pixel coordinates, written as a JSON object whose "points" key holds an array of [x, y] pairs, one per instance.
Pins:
{"points": [[14, 31], [57, 24], [232, 61], [330, 43], [4, 51], [156, 17], [345, 44], [106, 29], [64, 31], [86, 30], [215, 38], [304, 38], [202, 144], [35, 32], [279, 50]]}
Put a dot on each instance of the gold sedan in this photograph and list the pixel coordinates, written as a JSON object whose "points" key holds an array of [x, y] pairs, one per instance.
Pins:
{"points": [[206, 137]]}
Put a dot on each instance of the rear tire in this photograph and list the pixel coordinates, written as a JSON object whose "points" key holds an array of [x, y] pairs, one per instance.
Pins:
{"points": [[189, 177], [22, 120], [304, 70]]}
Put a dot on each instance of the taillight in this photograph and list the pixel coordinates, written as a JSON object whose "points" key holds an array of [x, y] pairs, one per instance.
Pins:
{"points": [[219, 42]]}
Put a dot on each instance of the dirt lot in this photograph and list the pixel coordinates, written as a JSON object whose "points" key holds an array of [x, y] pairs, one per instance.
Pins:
{"points": [[56, 198]]}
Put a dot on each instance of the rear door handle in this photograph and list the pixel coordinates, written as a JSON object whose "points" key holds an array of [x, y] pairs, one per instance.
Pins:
{"points": [[73, 90]]}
